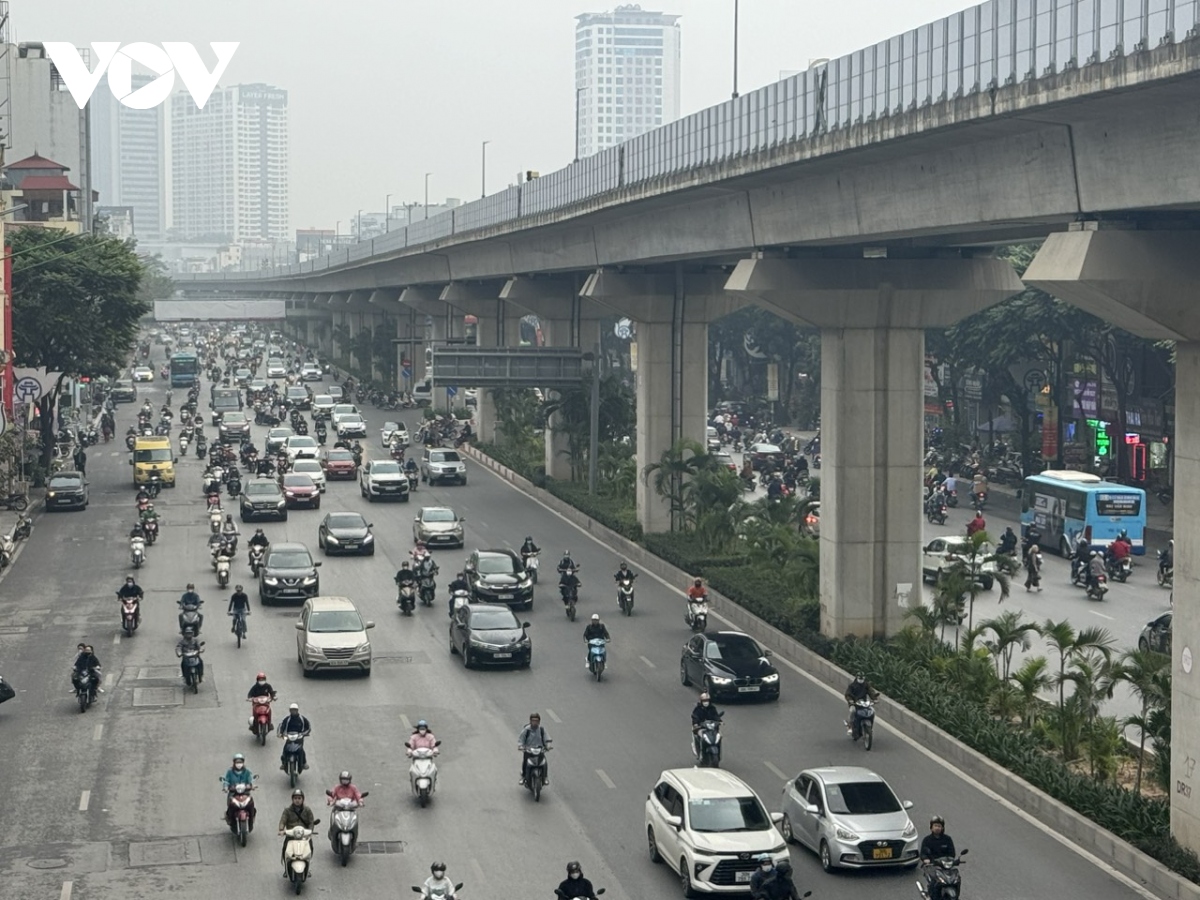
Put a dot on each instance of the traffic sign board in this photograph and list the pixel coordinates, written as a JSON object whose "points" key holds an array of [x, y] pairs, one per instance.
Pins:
{"points": [[406, 372], [1035, 380], [451, 391]]}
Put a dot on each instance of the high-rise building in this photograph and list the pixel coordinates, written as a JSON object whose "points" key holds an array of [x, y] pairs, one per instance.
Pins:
{"points": [[127, 158], [228, 172], [626, 75]]}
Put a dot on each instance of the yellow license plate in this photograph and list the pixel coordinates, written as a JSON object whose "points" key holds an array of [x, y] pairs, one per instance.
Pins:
{"points": [[882, 853]]}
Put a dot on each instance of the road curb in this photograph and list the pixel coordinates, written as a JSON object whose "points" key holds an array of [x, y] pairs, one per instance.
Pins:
{"points": [[1072, 826]]}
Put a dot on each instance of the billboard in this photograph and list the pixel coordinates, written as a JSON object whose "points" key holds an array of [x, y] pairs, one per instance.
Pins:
{"points": [[180, 310]]}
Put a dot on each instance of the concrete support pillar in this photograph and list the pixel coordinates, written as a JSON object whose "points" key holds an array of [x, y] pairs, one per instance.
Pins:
{"points": [[497, 327], [424, 306], [1147, 283], [672, 312], [872, 314]]}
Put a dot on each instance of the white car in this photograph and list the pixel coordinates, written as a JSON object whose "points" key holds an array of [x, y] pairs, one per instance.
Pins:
{"points": [[940, 554], [276, 368], [143, 373], [312, 468], [322, 406], [342, 409], [351, 425], [392, 430], [708, 825], [310, 372], [301, 446]]}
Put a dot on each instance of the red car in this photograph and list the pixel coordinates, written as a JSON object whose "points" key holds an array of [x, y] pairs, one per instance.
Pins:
{"points": [[339, 464], [301, 490]]}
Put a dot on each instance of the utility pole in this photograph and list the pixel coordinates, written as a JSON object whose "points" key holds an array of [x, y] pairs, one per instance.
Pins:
{"points": [[735, 48], [483, 180], [578, 92]]}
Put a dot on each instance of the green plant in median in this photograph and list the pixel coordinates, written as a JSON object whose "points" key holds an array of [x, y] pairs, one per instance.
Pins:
{"points": [[1009, 634], [1148, 675]]}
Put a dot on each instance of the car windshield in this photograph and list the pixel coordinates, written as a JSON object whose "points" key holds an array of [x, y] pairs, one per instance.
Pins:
{"points": [[63, 482], [733, 649], [297, 392], [718, 814], [347, 520], [261, 489], [305, 442], [390, 426], [234, 418], [279, 433], [496, 565], [335, 621], [443, 456], [861, 798], [385, 468], [297, 481], [493, 620], [322, 400], [438, 515], [162, 455], [344, 408], [340, 456], [289, 559], [351, 419]]}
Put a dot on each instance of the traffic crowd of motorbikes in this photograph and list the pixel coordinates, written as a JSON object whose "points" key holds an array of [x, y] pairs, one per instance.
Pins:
{"points": [[775, 461]]}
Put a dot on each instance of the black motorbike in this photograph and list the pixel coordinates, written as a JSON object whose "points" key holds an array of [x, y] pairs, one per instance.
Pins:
{"points": [[943, 873]]}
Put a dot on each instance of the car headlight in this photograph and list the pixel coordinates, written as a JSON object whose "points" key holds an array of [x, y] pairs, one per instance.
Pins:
{"points": [[715, 680], [528, 582], [269, 580], [369, 539], [50, 493], [770, 679], [845, 835], [281, 503], [310, 579], [311, 649], [363, 648], [330, 539], [910, 831]]}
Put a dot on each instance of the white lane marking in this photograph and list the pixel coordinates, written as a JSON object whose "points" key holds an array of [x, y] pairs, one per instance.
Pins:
{"points": [[84, 799], [1100, 614], [108, 679], [647, 662], [1087, 855], [67, 887], [116, 639], [404, 721], [98, 732], [608, 782], [775, 770], [552, 714]]}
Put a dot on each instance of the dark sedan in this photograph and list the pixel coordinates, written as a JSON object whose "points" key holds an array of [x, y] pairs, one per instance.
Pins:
{"points": [[490, 634], [301, 490], [729, 664], [67, 490], [497, 576], [1156, 635], [346, 532]]}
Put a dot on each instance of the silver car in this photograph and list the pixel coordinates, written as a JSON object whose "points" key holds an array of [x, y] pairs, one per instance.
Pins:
{"points": [[332, 634], [392, 430], [438, 526], [850, 817]]}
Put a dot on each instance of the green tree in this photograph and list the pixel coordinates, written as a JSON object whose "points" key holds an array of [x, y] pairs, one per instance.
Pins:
{"points": [[682, 461], [156, 280], [383, 352], [1148, 675], [76, 305]]}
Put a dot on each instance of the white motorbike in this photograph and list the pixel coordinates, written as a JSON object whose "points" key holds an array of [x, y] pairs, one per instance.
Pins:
{"points": [[297, 854], [460, 599], [696, 615], [531, 566], [428, 893], [343, 826], [7, 548], [215, 518], [183, 444], [422, 774], [223, 563], [137, 551]]}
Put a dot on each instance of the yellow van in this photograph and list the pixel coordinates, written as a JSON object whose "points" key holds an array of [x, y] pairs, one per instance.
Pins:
{"points": [[153, 454]]}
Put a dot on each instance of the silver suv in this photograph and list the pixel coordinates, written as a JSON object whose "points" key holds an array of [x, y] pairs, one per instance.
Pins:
{"points": [[438, 465]]}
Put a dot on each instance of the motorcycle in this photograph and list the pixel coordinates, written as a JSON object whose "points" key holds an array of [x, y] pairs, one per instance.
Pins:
{"points": [[530, 561], [936, 513], [215, 518], [422, 774], [862, 718], [696, 615], [570, 597], [201, 447], [190, 617], [597, 656], [1166, 573], [137, 551], [707, 746], [150, 527], [131, 439], [437, 894], [459, 599], [183, 444], [427, 589], [223, 563], [1119, 570], [945, 873], [343, 826], [257, 552], [293, 743], [535, 770], [297, 854], [15, 501], [1098, 588], [130, 609], [260, 718], [239, 809], [625, 595], [154, 485], [233, 486], [192, 675], [86, 685], [406, 598], [952, 499], [8, 547]]}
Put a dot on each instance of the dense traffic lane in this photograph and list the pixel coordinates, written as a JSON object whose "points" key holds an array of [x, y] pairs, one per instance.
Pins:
{"points": [[155, 778]]}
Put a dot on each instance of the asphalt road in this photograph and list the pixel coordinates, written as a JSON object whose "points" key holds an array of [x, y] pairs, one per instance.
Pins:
{"points": [[123, 802]]}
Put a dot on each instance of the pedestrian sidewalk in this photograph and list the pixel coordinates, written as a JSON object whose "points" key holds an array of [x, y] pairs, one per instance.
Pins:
{"points": [[9, 517]]}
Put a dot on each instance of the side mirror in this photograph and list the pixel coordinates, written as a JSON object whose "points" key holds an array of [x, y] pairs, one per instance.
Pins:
{"points": [[366, 794], [524, 624], [131, 462], [458, 887], [176, 460], [776, 818], [416, 518], [812, 809], [767, 653], [299, 626], [370, 524], [318, 564], [329, 793], [437, 743], [407, 745], [964, 853], [907, 804], [316, 822], [461, 519], [370, 624], [601, 891], [675, 821]]}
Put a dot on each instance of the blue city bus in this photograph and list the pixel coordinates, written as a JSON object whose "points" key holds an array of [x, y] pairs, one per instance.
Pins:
{"points": [[1066, 504], [185, 367]]}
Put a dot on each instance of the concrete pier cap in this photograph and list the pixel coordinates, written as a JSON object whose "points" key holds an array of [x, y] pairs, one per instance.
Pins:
{"points": [[872, 314]]}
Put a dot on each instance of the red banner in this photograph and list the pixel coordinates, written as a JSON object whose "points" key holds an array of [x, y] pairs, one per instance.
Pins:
{"points": [[8, 335], [1050, 433]]}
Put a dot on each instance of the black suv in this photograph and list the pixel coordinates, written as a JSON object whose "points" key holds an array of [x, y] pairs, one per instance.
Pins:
{"points": [[66, 490], [497, 576], [262, 497], [288, 573], [297, 397], [234, 427]]}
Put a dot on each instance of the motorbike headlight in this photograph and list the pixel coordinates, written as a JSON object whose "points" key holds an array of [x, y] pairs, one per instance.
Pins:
{"points": [[844, 834], [770, 679]]}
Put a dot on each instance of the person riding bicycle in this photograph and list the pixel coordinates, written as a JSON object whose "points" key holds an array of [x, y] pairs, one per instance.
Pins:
{"points": [[239, 606]]}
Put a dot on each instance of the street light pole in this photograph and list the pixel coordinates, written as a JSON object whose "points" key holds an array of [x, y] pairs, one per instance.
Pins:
{"points": [[358, 228], [735, 48], [387, 214], [483, 180], [578, 92], [427, 174]]}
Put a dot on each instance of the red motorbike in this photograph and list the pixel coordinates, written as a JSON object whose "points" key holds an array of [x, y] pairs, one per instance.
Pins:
{"points": [[214, 501], [129, 615], [261, 718], [240, 811]]}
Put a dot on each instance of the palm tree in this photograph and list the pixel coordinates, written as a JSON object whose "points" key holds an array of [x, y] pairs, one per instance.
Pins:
{"points": [[980, 553], [1067, 643], [682, 460], [1143, 671], [1008, 633], [1031, 679]]}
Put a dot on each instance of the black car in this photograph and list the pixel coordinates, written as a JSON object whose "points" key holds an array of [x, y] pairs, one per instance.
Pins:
{"points": [[346, 532], [234, 427], [262, 497], [124, 391], [297, 397], [490, 633], [288, 573], [729, 664], [498, 576], [67, 490], [1156, 635]]}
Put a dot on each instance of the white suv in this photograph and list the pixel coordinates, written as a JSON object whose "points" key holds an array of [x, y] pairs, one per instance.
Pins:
{"points": [[942, 553], [708, 825]]}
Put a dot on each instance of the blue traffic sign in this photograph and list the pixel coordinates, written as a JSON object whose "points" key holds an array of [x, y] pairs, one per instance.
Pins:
{"points": [[406, 372], [451, 391]]}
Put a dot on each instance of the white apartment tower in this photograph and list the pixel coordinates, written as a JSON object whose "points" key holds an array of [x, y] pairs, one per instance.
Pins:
{"points": [[229, 165], [626, 75], [127, 158]]}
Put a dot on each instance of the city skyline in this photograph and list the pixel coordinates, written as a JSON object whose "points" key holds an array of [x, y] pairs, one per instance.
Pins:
{"points": [[425, 89], [128, 159]]}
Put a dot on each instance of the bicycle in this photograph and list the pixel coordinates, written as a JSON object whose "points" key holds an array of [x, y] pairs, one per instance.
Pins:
{"points": [[239, 625]]}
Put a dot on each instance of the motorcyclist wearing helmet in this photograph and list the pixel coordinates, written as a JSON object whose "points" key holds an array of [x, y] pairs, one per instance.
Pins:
{"points": [[344, 790], [575, 885], [1121, 548], [529, 547], [229, 530], [294, 723], [936, 845], [533, 735], [406, 576], [421, 737], [190, 601], [859, 689], [437, 884], [294, 814], [1166, 558], [238, 774], [595, 629], [771, 881], [186, 643], [1095, 569], [459, 583], [259, 539], [566, 562], [1079, 560], [130, 589], [702, 712]]}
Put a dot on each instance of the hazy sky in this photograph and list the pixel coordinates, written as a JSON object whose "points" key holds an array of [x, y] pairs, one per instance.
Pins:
{"points": [[382, 91]]}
